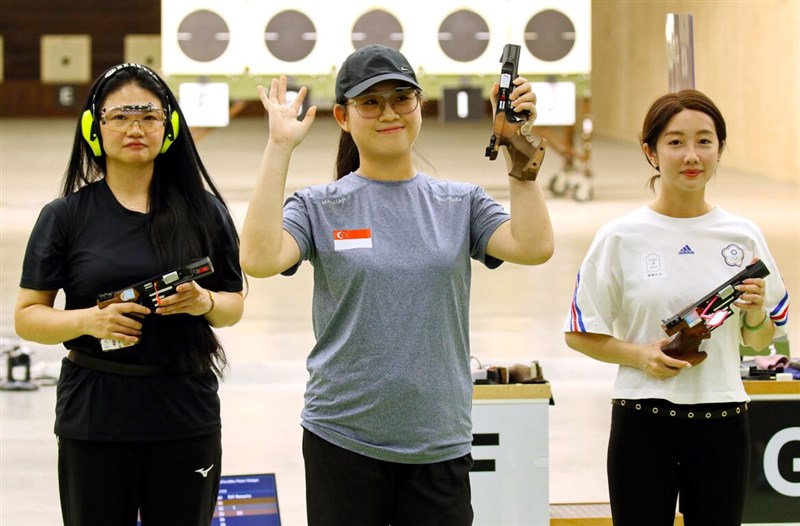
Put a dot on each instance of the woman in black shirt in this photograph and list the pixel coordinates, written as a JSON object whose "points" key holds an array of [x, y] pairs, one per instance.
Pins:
{"points": [[137, 410]]}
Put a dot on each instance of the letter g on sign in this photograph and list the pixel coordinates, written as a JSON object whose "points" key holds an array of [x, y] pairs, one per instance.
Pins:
{"points": [[771, 453]]}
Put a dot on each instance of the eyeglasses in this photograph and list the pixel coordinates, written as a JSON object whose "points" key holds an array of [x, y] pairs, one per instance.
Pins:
{"points": [[121, 118], [371, 105]]}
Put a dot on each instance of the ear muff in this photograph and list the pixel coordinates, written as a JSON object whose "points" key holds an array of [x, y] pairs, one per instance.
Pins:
{"points": [[90, 134], [90, 127], [171, 131]]}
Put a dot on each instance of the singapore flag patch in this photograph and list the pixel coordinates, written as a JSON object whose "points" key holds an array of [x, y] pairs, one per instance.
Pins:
{"points": [[347, 239]]}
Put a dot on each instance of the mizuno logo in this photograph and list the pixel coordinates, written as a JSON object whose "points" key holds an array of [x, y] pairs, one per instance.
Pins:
{"points": [[205, 471], [686, 250]]}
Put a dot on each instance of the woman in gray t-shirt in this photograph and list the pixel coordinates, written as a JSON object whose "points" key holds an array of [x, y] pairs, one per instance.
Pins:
{"points": [[387, 405]]}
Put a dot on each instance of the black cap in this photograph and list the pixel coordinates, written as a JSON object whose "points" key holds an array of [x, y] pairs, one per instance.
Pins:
{"points": [[369, 65]]}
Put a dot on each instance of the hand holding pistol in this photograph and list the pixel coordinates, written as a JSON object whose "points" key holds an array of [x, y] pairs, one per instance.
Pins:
{"points": [[513, 129], [695, 323]]}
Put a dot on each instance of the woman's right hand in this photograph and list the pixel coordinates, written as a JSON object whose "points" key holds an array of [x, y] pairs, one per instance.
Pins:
{"points": [[118, 321], [266, 248], [36, 319], [284, 127], [654, 362], [649, 357]]}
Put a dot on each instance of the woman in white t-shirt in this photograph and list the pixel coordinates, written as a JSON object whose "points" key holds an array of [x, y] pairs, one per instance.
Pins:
{"points": [[676, 428]]}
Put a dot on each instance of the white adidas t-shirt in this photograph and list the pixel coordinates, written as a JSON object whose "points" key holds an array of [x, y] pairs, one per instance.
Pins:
{"points": [[644, 268]]}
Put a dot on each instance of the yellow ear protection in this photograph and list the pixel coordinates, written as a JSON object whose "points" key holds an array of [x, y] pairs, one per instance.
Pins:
{"points": [[90, 134], [171, 131], [91, 129]]}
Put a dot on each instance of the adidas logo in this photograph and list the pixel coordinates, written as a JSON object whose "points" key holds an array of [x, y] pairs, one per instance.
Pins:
{"points": [[686, 250]]}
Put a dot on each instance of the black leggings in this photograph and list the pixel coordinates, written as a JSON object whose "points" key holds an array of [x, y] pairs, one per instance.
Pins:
{"points": [[652, 459], [344, 488], [170, 483]]}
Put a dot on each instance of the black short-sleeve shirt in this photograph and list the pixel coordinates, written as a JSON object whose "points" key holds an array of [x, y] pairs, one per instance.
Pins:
{"points": [[87, 243]]}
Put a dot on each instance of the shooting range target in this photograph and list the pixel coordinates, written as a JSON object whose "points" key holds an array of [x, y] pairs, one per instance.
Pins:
{"points": [[455, 41], [463, 35], [290, 36], [377, 26], [555, 38], [201, 37], [297, 38], [254, 37]]}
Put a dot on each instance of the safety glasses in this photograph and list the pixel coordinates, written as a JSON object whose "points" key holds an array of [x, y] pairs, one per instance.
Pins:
{"points": [[121, 118], [401, 100]]}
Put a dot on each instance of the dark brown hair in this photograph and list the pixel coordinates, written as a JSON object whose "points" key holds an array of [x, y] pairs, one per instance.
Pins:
{"points": [[347, 158], [669, 105]]}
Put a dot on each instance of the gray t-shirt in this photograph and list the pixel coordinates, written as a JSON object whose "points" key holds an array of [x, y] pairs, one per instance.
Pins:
{"points": [[390, 372]]}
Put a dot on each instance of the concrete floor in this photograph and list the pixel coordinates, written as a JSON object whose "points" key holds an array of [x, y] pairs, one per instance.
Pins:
{"points": [[517, 312]]}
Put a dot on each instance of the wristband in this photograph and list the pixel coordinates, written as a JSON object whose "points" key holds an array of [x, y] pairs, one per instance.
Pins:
{"points": [[210, 297], [755, 327]]}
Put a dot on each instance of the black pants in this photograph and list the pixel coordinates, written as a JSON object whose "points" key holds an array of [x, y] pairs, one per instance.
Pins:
{"points": [[170, 483], [344, 489], [652, 459]]}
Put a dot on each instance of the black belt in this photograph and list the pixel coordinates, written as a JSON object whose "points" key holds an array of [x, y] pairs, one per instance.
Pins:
{"points": [[124, 369], [681, 411]]}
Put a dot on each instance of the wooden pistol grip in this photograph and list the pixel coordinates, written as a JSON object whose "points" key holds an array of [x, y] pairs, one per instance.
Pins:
{"points": [[526, 157], [497, 129], [114, 299], [686, 345], [117, 298]]}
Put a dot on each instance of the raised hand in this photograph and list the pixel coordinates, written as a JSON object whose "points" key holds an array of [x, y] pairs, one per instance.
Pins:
{"points": [[284, 126]]}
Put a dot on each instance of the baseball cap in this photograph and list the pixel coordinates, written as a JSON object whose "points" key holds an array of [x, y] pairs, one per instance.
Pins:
{"points": [[369, 65]]}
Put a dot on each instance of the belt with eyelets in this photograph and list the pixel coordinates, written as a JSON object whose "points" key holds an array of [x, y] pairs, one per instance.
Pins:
{"points": [[686, 412]]}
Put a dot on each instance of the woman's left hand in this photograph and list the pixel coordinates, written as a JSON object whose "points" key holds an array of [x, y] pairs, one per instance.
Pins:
{"points": [[522, 97], [752, 301], [190, 298], [752, 298]]}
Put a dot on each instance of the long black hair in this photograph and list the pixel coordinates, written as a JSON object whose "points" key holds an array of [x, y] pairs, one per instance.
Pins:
{"points": [[183, 218]]}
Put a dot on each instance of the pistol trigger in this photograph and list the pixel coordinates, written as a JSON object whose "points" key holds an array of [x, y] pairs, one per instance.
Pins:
{"points": [[491, 150]]}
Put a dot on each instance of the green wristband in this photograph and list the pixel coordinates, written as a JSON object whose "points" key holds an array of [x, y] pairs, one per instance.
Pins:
{"points": [[755, 327]]}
